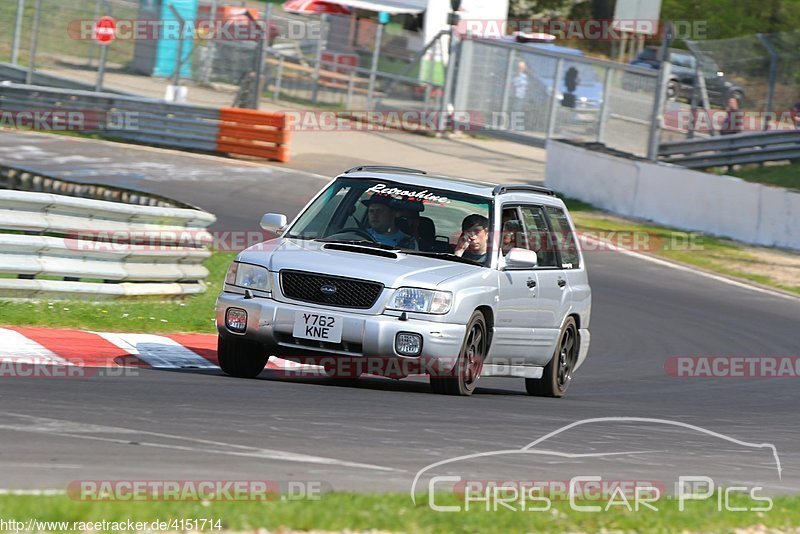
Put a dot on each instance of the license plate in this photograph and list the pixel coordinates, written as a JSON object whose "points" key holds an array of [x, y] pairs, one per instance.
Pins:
{"points": [[319, 327]]}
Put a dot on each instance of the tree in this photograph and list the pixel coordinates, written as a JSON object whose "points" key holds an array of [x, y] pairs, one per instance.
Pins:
{"points": [[528, 9]]}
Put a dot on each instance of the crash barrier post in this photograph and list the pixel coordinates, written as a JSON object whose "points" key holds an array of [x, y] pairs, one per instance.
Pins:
{"points": [[675, 196], [99, 250], [145, 120], [254, 133]]}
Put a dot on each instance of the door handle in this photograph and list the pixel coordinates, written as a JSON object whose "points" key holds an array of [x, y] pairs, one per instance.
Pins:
{"points": [[562, 283], [531, 284]]}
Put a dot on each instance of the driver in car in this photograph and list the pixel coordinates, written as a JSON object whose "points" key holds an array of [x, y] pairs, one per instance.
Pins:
{"points": [[473, 242], [381, 214]]}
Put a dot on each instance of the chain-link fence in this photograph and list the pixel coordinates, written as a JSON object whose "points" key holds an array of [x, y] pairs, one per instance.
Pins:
{"points": [[310, 59], [527, 92], [52, 29], [532, 92], [762, 72]]}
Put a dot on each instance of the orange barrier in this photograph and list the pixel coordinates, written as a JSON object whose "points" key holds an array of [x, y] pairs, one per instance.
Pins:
{"points": [[254, 133]]}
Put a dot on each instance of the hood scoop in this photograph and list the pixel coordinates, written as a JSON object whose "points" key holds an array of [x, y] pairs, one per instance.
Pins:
{"points": [[360, 250]]}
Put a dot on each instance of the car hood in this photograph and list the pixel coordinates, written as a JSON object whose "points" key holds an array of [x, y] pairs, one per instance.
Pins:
{"points": [[391, 269]]}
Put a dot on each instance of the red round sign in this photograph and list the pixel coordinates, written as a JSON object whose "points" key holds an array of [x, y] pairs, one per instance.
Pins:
{"points": [[105, 30]]}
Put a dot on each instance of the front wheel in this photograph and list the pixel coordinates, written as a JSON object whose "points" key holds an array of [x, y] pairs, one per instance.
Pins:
{"points": [[240, 358], [557, 374], [463, 378]]}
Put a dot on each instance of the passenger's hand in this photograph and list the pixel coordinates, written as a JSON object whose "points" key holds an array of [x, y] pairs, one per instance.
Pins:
{"points": [[461, 245]]}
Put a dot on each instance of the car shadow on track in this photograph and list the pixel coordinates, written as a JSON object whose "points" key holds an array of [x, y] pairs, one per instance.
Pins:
{"points": [[371, 383]]}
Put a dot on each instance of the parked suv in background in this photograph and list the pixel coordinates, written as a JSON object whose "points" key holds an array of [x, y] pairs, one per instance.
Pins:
{"points": [[684, 73], [393, 272]]}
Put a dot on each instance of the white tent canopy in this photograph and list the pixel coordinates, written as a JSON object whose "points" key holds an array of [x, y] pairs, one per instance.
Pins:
{"points": [[393, 7]]}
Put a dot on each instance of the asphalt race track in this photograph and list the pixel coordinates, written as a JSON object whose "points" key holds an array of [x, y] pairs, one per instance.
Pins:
{"points": [[377, 435]]}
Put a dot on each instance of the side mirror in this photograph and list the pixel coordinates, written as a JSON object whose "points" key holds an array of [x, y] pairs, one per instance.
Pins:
{"points": [[273, 222], [521, 258]]}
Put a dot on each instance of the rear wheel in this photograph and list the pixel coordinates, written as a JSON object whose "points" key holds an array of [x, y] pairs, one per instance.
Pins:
{"points": [[557, 374], [240, 358], [463, 378]]}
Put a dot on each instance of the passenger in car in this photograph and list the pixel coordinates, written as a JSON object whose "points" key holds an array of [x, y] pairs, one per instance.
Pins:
{"points": [[474, 239], [381, 215], [513, 236]]}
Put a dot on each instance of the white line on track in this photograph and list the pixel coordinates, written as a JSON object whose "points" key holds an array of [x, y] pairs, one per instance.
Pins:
{"points": [[684, 268], [73, 429]]}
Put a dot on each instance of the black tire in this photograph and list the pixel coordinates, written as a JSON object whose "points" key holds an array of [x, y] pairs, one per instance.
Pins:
{"points": [[463, 378], [348, 377], [240, 358], [557, 374]]}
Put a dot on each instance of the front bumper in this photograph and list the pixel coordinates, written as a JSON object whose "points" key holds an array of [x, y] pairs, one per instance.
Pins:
{"points": [[271, 323]]}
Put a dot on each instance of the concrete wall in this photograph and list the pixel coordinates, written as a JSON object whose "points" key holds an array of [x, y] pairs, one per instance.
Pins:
{"points": [[676, 196]]}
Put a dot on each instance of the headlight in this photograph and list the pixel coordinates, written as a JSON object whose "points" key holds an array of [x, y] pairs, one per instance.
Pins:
{"points": [[411, 299], [248, 276]]}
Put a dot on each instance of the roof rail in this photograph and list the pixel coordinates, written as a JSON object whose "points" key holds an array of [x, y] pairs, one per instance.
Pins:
{"points": [[384, 168], [509, 188]]}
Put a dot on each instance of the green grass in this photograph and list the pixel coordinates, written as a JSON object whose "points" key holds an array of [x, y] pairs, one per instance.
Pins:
{"points": [[396, 512], [707, 252], [192, 314], [780, 175], [53, 31]]}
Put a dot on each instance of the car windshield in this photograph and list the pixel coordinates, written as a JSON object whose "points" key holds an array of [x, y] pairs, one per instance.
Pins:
{"points": [[410, 218]]}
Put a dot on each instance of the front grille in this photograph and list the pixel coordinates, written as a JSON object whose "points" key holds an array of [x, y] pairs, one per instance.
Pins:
{"points": [[349, 293], [289, 340]]}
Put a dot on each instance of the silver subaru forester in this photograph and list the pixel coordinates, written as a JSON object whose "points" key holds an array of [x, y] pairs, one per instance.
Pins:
{"points": [[389, 271]]}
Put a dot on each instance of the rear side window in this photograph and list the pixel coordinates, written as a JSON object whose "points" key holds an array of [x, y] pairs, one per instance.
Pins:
{"points": [[539, 237], [565, 238]]}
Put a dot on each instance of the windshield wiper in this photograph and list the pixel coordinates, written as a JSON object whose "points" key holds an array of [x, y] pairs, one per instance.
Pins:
{"points": [[443, 255], [360, 242]]}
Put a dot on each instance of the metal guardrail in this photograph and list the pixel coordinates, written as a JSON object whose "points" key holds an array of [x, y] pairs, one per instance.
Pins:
{"points": [[17, 74], [24, 179], [138, 119], [736, 149], [100, 250]]}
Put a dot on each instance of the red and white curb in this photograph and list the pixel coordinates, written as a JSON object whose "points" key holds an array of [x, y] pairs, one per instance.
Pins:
{"points": [[45, 346]]}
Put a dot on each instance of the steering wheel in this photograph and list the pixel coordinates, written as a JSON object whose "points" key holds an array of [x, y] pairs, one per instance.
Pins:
{"points": [[357, 231]]}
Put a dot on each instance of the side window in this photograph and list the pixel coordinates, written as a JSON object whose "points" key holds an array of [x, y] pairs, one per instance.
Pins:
{"points": [[513, 236], [538, 235], [565, 237]]}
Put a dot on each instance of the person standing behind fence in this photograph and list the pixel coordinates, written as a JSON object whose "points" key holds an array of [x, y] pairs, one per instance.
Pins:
{"points": [[519, 86], [733, 118]]}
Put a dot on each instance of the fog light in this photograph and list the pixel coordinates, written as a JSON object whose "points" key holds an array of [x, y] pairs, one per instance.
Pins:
{"points": [[236, 320], [408, 344]]}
